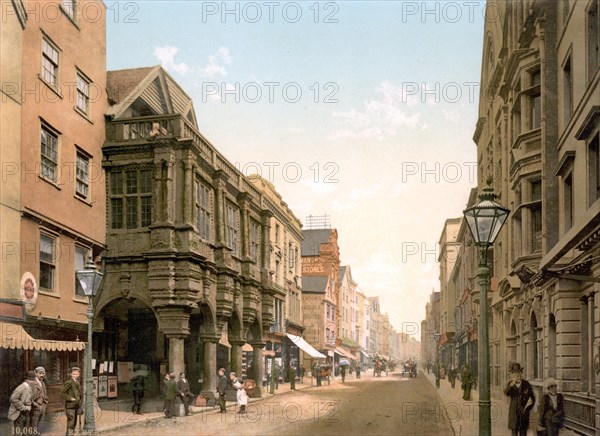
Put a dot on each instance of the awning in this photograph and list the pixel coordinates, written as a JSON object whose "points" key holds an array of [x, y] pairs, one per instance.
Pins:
{"points": [[247, 348], [344, 353], [364, 354], [223, 340], [305, 346], [14, 336]]}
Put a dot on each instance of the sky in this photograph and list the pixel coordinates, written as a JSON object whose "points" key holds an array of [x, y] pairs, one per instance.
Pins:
{"points": [[364, 111]]}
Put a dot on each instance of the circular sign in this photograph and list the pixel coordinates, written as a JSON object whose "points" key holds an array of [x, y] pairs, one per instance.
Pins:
{"points": [[29, 290]]}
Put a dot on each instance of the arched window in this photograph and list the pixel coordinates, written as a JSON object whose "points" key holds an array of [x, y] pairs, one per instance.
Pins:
{"points": [[552, 345], [536, 347]]}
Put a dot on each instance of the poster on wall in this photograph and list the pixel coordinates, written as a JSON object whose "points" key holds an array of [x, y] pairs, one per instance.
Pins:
{"points": [[112, 386], [95, 386], [124, 370], [102, 386]]}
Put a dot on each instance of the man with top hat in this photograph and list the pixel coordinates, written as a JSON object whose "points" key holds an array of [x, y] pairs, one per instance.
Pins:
{"points": [[71, 394], [39, 399], [522, 400]]}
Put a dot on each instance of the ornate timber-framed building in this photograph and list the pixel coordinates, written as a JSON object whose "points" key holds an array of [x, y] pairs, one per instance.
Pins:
{"points": [[186, 268], [538, 138]]}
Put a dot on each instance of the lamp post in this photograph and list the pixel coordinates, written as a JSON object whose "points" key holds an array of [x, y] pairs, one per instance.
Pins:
{"points": [[89, 278], [436, 338], [485, 219]]}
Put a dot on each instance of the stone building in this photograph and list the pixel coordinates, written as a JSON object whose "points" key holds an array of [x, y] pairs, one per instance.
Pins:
{"points": [[187, 269], [537, 139], [285, 277], [52, 208]]}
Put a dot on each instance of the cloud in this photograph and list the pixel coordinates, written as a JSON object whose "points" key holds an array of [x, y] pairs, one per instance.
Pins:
{"points": [[166, 55], [216, 63], [452, 116], [380, 117]]}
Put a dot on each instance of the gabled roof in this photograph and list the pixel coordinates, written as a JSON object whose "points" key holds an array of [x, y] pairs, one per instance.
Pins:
{"points": [[314, 284], [311, 246], [151, 87]]}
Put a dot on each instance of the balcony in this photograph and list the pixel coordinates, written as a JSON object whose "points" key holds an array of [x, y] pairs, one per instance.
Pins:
{"points": [[173, 127]]}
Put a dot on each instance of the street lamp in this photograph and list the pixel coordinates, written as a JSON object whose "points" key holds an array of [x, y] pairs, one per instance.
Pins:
{"points": [[89, 279], [485, 220], [436, 337]]}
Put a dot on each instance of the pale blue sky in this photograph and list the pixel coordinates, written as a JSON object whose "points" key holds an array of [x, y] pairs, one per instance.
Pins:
{"points": [[395, 137]]}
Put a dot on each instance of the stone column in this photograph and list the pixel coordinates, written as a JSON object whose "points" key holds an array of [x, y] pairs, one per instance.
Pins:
{"points": [[219, 181], [243, 200], [236, 357], [176, 354], [188, 193], [258, 368], [209, 386]]}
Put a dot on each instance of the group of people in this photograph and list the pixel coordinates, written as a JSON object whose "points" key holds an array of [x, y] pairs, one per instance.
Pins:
{"points": [[176, 389], [522, 400], [28, 403], [29, 400]]}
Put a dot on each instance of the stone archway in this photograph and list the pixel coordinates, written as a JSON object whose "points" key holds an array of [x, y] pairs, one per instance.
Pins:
{"points": [[126, 330]]}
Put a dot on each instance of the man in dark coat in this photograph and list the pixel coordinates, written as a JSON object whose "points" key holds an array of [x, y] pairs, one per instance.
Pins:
{"points": [[184, 392], [522, 400], [222, 389], [170, 395], [138, 386], [71, 394], [466, 382], [39, 400]]}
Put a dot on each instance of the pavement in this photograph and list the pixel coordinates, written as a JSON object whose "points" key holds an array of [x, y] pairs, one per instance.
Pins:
{"points": [[113, 415], [464, 415]]}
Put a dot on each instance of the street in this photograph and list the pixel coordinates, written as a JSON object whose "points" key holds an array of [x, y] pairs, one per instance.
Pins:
{"points": [[390, 405]]}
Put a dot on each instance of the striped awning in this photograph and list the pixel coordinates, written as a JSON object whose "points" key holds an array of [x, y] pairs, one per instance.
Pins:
{"points": [[14, 336]]}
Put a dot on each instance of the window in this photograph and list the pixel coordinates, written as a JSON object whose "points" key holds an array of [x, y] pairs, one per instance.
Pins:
{"points": [[47, 262], [594, 170], [83, 94], [255, 242], [232, 227], [131, 198], [49, 151], [536, 228], [277, 233], [277, 274], [82, 174], [81, 256], [49, 63], [567, 91], [69, 8], [593, 42], [568, 201], [292, 260], [203, 210]]}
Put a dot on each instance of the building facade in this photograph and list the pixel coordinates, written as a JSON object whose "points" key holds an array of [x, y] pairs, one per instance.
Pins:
{"points": [[53, 198], [285, 275], [537, 139], [188, 266]]}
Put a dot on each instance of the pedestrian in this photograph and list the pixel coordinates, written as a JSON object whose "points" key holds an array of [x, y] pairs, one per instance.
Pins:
{"points": [[276, 372], [466, 382], [222, 389], [184, 392], [19, 411], [553, 410], [170, 395], [138, 386], [301, 373], [71, 394], [358, 371], [39, 400], [343, 373], [317, 373], [522, 400], [452, 376], [292, 377], [350, 370], [242, 396]]}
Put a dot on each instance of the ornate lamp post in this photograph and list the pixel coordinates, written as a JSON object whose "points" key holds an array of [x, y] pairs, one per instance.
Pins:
{"points": [[89, 279], [436, 337], [485, 220]]}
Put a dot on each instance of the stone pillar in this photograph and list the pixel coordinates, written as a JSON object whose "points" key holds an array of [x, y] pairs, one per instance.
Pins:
{"points": [[176, 355], [188, 193], [236, 357], [209, 386], [243, 200], [219, 181], [258, 368]]}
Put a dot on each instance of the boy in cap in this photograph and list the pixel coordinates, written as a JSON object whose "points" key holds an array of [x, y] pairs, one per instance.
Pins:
{"points": [[71, 394], [522, 400], [20, 404], [222, 389]]}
